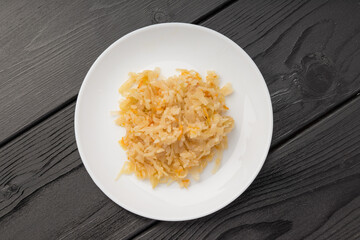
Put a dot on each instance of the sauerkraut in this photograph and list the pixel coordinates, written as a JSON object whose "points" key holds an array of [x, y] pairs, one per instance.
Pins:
{"points": [[174, 126]]}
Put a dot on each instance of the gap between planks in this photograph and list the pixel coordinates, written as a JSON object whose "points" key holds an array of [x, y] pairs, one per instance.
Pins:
{"points": [[289, 138], [73, 99]]}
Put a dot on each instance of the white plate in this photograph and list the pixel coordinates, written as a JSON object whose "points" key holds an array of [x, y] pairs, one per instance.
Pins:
{"points": [[170, 46]]}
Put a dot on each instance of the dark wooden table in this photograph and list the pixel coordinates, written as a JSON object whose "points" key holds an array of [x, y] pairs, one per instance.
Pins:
{"points": [[309, 54]]}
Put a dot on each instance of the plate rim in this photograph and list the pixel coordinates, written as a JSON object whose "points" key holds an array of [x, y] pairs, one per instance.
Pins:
{"points": [[173, 218]]}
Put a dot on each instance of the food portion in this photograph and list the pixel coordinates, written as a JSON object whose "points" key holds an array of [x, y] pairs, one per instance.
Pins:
{"points": [[174, 126]]}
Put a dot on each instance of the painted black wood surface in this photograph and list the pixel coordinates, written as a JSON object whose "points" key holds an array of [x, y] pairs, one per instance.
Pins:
{"points": [[309, 188], [47, 47], [309, 54]]}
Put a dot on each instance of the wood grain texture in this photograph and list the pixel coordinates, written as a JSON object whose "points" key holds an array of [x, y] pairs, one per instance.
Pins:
{"points": [[85, 213], [307, 189], [307, 51], [38, 157], [47, 47], [48, 151], [42, 180]]}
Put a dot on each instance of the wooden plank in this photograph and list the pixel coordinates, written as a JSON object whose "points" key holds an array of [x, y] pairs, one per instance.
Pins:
{"points": [[23, 195], [307, 189], [73, 208], [68, 204], [42, 180], [312, 47], [308, 52], [40, 156], [47, 47], [48, 151]]}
